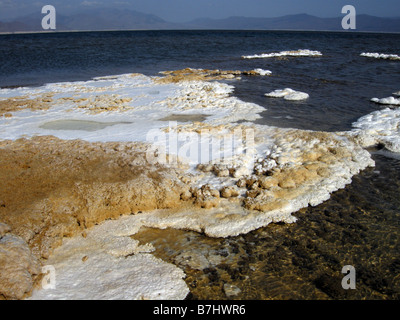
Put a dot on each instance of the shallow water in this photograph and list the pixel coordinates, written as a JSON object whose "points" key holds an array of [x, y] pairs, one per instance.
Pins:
{"points": [[78, 125], [185, 117]]}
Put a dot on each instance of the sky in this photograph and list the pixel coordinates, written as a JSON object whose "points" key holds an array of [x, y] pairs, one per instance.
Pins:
{"points": [[186, 10]]}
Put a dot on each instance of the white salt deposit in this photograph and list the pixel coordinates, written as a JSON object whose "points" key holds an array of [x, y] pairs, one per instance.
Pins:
{"points": [[389, 100], [379, 127], [263, 72], [146, 103], [109, 265], [380, 56], [288, 94], [297, 53]]}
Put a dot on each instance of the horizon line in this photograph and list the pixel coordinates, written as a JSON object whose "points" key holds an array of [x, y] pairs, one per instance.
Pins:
{"points": [[194, 29]]}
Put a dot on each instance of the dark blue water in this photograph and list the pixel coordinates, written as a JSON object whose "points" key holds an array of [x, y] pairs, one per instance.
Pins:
{"points": [[340, 83], [359, 225]]}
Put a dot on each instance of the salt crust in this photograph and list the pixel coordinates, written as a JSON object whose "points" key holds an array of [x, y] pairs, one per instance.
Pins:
{"points": [[288, 170], [107, 264], [288, 94], [380, 56], [263, 72], [296, 53], [389, 100], [379, 127]]}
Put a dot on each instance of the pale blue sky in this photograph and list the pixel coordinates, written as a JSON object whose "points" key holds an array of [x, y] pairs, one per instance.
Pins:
{"points": [[185, 10]]}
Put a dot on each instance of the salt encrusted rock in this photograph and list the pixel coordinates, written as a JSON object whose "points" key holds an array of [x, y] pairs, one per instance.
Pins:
{"points": [[240, 172], [186, 195], [17, 267], [241, 183], [229, 192], [221, 171], [268, 182], [206, 197], [263, 166]]}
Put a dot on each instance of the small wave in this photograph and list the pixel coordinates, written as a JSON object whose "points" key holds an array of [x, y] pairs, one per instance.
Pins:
{"points": [[288, 94], [380, 56], [291, 53]]}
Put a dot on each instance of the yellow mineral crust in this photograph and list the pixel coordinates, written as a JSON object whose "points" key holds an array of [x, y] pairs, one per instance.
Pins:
{"points": [[190, 74], [9, 105]]}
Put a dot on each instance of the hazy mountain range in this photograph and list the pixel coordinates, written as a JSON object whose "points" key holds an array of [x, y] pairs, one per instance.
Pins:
{"points": [[117, 19]]}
